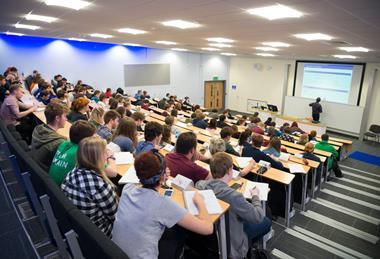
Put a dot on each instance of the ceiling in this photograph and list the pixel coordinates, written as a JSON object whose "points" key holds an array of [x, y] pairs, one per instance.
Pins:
{"points": [[350, 22]]}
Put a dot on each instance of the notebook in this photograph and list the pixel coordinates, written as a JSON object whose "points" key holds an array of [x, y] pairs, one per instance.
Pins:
{"points": [[243, 161], [263, 189], [168, 147], [296, 168], [181, 124], [123, 158], [129, 177], [284, 156], [212, 204]]}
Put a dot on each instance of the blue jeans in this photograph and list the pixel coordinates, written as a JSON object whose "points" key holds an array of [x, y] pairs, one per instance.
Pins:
{"points": [[257, 231]]}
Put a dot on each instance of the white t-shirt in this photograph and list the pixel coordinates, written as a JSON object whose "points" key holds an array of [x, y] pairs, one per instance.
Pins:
{"points": [[141, 219]]}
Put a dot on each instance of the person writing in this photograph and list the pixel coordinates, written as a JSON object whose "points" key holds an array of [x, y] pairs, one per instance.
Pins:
{"points": [[316, 110]]}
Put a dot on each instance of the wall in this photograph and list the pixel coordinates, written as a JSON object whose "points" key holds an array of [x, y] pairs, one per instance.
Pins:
{"points": [[101, 65]]}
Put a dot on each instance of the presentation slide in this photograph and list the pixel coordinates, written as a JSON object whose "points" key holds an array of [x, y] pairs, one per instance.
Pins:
{"points": [[331, 82]]}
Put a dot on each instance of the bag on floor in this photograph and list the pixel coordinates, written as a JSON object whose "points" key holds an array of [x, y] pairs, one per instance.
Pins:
{"points": [[338, 173], [258, 253]]}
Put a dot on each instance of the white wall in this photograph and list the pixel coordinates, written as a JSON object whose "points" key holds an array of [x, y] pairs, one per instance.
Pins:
{"points": [[101, 65]]}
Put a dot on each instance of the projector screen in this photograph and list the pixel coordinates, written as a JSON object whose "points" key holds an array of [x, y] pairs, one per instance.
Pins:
{"points": [[333, 82]]}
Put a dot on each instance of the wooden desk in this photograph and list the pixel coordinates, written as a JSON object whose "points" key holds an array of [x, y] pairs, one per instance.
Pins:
{"points": [[306, 126]]}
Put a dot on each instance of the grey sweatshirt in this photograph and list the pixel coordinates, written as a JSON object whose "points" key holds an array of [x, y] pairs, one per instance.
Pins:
{"points": [[240, 211]]}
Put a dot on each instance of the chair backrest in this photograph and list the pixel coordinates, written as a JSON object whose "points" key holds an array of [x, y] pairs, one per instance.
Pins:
{"points": [[375, 128]]}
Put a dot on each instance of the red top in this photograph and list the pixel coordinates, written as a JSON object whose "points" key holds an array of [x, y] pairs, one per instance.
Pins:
{"points": [[108, 94], [180, 164], [258, 130]]}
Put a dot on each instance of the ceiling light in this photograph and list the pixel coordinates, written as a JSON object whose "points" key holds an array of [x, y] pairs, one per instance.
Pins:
{"points": [[345, 56], [220, 45], [228, 54], [14, 33], [165, 42], [211, 49], [274, 12], [220, 40], [267, 49], [265, 54], [132, 44], [313, 36], [41, 18], [181, 24], [76, 39], [26, 26], [179, 49], [354, 49], [73, 4], [276, 44], [131, 31], [100, 35]]}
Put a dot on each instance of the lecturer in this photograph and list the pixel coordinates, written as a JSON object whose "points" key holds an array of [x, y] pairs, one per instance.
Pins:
{"points": [[316, 110]]}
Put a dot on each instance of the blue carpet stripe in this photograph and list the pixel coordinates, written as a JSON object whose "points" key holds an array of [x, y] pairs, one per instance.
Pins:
{"points": [[366, 158]]}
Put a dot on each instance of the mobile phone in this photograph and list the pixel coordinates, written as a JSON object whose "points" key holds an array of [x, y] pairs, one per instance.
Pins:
{"points": [[168, 193], [236, 186], [262, 170]]}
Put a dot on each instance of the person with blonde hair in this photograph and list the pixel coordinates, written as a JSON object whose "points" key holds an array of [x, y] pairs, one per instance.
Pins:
{"points": [[303, 139], [125, 135], [96, 117], [88, 186], [79, 109]]}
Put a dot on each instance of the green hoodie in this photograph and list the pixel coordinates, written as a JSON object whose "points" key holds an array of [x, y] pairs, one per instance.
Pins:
{"points": [[45, 142], [63, 162], [323, 145]]}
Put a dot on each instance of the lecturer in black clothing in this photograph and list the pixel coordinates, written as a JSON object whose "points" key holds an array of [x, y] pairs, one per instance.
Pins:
{"points": [[316, 109]]}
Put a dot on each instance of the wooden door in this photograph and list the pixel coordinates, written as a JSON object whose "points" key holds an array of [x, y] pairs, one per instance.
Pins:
{"points": [[214, 92]]}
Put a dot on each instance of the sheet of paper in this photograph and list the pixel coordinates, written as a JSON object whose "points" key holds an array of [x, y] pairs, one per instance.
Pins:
{"points": [[212, 204], [123, 158], [235, 174], [114, 148], [284, 156], [299, 155], [263, 189], [234, 143], [296, 168], [168, 147], [129, 177], [243, 161], [181, 124]]}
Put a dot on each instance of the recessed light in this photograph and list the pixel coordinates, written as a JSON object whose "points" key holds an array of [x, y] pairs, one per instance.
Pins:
{"points": [[276, 44], [211, 49], [266, 48], [265, 54], [274, 12], [14, 33], [220, 45], [181, 24], [179, 49], [228, 54], [131, 31], [73, 4], [165, 42], [220, 40], [26, 26], [76, 39], [100, 35], [345, 56], [132, 44], [354, 49], [313, 36], [41, 18]]}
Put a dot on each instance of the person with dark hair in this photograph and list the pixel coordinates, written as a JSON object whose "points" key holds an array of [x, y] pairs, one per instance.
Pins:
{"points": [[325, 146], [145, 94], [113, 103], [108, 93], [166, 135], [167, 110], [259, 128], [268, 121], [228, 114], [45, 138], [183, 160], [102, 100], [294, 128], [247, 221], [144, 214], [111, 120], [138, 95], [79, 110], [174, 113], [199, 120], [140, 101], [212, 126], [56, 80], [312, 135], [285, 125], [45, 97], [226, 134], [170, 120], [120, 91], [121, 110], [125, 135], [65, 158], [213, 114], [152, 134], [255, 152], [316, 110], [139, 118], [274, 147], [95, 97], [286, 136], [221, 122], [245, 138]]}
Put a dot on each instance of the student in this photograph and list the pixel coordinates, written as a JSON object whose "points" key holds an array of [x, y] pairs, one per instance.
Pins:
{"points": [[45, 97], [95, 97], [309, 152], [212, 126], [228, 114], [332, 161], [144, 214], [241, 122], [255, 152], [170, 122], [3, 89], [126, 135], [216, 145], [274, 147], [226, 134], [313, 135], [247, 221], [174, 113], [254, 121], [63, 98], [113, 103], [303, 139], [79, 110], [286, 136], [88, 186], [111, 120], [108, 93], [145, 94], [96, 117], [161, 103], [199, 120], [45, 139], [285, 125], [153, 135], [259, 128], [167, 110], [138, 95], [121, 110], [65, 158], [213, 114], [166, 135], [139, 118], [235, 131], [294, 129], [102, 100], [182, 161], [245, 139], [268, 121], [220, 123], [316, 110]]}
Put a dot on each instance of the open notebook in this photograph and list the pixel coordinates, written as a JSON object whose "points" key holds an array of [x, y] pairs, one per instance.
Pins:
{"points": [[212, 204], [263, 189], [243, 161], [296, 168], [129, 177], [123, 158]]}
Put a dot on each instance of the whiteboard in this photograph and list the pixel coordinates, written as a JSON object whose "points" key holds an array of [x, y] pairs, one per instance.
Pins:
{"points": [[338, 116]]}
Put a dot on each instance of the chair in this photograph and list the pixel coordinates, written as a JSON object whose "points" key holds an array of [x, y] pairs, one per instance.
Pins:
{"points": [[374, 132]]}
